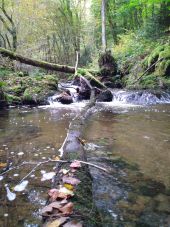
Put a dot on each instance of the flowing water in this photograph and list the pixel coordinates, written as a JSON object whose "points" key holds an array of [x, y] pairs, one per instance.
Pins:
{"points": [[126, 134]]}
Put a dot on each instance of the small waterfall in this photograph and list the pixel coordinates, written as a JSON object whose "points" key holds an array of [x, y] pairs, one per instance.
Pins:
{"points": [[140, 97], [120, 97]]}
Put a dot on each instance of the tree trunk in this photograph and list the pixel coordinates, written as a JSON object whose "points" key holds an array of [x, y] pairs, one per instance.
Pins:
{"points": [[41, 64], [103, 14]]}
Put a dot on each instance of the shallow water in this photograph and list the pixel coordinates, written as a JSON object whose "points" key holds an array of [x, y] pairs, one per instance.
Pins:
{"points": [[29, 134], [141, 135]]}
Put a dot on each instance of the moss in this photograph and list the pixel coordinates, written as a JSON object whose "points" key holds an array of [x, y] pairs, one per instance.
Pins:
{"points": [[165, 54], [17, 90], [163, 68], [149, 82], [155, 55], [12, 99]]}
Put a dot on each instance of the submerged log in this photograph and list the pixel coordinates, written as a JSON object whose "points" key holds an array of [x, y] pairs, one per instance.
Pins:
{"points": [[72, 149]]}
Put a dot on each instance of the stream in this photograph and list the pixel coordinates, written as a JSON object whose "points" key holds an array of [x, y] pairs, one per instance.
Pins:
{"points": [[130, 135]]}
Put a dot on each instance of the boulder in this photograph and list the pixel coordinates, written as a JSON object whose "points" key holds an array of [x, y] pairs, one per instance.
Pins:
{"points": [[83, 94], [105, 96], [65, 99]]}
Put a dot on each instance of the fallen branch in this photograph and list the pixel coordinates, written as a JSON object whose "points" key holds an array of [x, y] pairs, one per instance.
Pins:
{"points": [[50, 160], [93, 165], [147, 70]]}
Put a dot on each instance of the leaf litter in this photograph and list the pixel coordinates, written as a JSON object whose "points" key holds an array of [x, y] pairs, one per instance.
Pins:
{"points": [[59, 206]]}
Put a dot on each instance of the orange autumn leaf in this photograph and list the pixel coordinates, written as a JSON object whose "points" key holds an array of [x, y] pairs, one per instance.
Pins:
{"points": [[67, 209], [56, 194], [57, 158], [2, 165], [49, 208]]}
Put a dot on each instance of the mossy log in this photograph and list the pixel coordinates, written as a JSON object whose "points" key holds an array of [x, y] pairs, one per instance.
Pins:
{"points": [[36, 63], [49, 66]]}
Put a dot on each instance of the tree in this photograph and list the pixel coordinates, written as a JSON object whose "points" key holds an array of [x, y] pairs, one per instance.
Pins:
{"points": [[9, 25], [103, 14]]}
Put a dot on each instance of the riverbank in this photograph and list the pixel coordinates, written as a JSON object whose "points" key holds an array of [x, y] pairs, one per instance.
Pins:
{"points": [[19, 88]]}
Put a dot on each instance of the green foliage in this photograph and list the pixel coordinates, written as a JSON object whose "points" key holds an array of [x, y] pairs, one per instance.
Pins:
{"points": [[2, 84], [12, 99], [155, 55]]}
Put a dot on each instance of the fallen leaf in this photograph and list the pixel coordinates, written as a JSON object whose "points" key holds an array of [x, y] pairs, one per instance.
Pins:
{"points": [[71, 180], [57, 158], [73, 170], [67, 209], [57, 222], [50, 207], [2, 165], [64, 171], [10, 195], [48, 176], [69, 186], [56, 194], [21, 187], [75, 164], [66, 191], [73, 224]]}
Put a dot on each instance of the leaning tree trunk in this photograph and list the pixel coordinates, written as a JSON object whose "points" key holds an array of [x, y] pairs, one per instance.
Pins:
{"points": [[41, 64]]}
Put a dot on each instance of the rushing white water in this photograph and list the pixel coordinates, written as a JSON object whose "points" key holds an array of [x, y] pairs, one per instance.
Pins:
{"points": [[120, 98], [139, 97]]}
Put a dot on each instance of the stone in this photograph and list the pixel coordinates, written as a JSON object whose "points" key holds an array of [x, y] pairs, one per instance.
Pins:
{"points": [[105, 96]]}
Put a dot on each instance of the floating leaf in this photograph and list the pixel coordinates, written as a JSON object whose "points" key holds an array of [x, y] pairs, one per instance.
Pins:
{"points": [[69, 186], [66, 191], [10, 195], [75, 164], [2, 165], [73, 224], [71, 180], [21, 187], [67, 209], [57, 222], [48, 176]]}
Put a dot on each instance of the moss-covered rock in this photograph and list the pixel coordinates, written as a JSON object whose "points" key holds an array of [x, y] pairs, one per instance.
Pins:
{"points": [[24, 89], [13, 100], [157, 64]]}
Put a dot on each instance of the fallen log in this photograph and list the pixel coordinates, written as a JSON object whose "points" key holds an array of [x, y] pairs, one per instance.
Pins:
{"points": [[72, 149], [36, 63], [50, 66]]}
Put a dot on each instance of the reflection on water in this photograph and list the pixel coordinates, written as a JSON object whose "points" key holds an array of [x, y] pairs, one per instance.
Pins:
{"points": [[142, 136], [29, 135]]}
